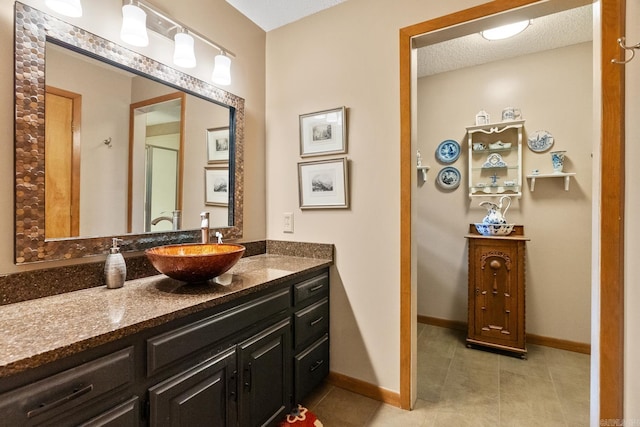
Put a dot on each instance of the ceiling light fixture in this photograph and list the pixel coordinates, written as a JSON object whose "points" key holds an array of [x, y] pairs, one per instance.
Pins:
{"points": [[184, 55], [183, 37], [71, 8], [505, 31], [134, 26]]}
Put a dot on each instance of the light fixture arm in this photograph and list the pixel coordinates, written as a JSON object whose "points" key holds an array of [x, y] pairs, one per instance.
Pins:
{"points": [[167, 26]]}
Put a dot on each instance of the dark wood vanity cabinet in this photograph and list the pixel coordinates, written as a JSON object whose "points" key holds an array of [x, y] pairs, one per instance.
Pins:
{"points": [[249, 383], [245, 364], [97, 392], [496, 308], [311, 335]]}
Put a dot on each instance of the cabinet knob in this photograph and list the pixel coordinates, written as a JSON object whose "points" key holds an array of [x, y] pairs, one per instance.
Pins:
{"points": [[495, 264]]}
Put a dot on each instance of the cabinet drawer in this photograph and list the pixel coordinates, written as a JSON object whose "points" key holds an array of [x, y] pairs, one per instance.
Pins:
{"points": [[126, 414], [311, 367], [311, 323], [311, 290], [61, 393], [172, 346]]}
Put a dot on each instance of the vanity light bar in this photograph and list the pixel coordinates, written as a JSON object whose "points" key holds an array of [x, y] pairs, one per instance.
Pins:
{"points": [[161, 23], [184, 55]]}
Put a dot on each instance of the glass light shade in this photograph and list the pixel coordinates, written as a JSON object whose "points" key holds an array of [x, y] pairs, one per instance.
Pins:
{"points": [[222, 70], [134, 26], [505, 31], [183, 54], [71, 8]]}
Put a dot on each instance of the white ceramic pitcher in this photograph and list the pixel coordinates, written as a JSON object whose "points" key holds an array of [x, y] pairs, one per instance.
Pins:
{"points": [[495, 212]]}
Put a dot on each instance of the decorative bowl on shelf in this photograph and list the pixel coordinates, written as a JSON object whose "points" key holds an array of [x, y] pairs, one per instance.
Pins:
{"points": [[499, 145], [494, 229]]}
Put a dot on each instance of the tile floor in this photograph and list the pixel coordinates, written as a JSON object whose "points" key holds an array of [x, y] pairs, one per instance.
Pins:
{"points": [[460, 387]]}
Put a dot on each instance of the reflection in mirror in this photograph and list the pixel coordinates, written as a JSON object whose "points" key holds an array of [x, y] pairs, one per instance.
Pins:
{"points": [[158, 119], [156, 138], [96, 171]]}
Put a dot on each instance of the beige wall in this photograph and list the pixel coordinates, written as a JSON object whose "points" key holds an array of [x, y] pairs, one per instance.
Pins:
{"points": [[216, 19], [348, 55], [553, 90]]}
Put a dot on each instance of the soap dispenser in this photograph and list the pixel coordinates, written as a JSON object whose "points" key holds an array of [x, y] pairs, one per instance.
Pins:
{"points": [[115, 270]]}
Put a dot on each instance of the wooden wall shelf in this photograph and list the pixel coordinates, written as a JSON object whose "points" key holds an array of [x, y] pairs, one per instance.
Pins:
{"points": [[566, 175]]}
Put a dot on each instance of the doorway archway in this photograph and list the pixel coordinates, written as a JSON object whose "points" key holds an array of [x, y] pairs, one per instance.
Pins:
{"points": [[608, 237]]}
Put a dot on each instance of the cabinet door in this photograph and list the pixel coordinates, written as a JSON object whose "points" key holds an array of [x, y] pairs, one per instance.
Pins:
{"points": [[498, 309], [203, 395], [265, 376]]}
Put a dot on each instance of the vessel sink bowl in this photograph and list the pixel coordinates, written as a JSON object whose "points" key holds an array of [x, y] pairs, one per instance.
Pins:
{"points": [[195, 262]]}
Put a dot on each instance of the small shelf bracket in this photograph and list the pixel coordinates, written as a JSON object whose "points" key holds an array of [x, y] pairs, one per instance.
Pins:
{"points": [[424, 170], [421, 168]]}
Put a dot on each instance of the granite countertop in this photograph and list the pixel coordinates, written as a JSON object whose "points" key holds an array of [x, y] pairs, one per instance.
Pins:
{"points": [[43, 330]]}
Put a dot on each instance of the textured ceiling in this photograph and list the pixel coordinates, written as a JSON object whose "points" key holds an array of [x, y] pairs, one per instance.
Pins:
{"points": [[271, 14], [553, 31], [548, 32]]}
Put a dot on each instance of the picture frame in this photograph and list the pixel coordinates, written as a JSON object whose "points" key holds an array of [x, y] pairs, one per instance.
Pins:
{"points": [[324, 184], [216, 185], [218, 145], [323, 132]]}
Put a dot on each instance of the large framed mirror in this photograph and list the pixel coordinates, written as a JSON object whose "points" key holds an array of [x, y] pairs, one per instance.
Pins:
{"points": [[110, 143]]}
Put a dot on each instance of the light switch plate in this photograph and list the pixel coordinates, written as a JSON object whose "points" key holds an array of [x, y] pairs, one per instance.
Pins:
{"points": [[287, 224]]}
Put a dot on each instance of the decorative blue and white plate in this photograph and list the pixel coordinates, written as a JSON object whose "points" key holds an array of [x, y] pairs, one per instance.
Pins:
{"points": [[448, 151], [448, 178], [540, 141]]}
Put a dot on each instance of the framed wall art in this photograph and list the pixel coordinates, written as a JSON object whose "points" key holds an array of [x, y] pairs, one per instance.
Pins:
{"points": [[216, 185], [324, 132], [323, 184], [218, 145]]}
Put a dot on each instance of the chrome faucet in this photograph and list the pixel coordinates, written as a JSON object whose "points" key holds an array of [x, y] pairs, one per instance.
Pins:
{"points": [[175, 220], [204, 227]]}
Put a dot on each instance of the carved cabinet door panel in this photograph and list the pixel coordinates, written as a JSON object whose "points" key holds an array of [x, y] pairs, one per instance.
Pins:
{"points": [[496, 293]]}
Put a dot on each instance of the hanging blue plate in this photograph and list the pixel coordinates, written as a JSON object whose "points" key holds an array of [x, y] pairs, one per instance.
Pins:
{"points": [[448, 151], [448, 178]]}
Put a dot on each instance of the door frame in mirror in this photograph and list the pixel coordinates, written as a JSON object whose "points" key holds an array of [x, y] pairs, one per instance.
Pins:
{"points": [[33, 28], [132, 142]]}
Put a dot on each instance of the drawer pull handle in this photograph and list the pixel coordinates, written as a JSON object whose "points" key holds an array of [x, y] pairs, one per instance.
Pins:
{"points": [[44, 407], [316, 288], [316, 365], [318, 320], [247, 377]]}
